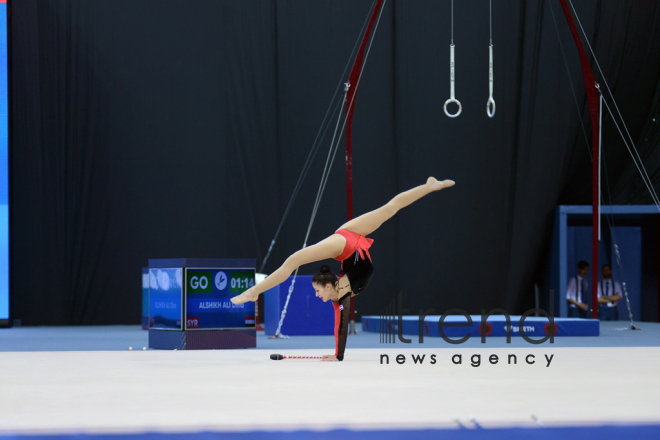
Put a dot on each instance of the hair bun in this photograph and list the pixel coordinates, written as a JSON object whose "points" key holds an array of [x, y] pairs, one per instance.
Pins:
{"points": [[325, 269]]}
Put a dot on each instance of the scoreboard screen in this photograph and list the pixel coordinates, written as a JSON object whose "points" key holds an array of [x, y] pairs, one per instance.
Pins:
{"points": [[199, 298], [165, 299], [208, 299]]}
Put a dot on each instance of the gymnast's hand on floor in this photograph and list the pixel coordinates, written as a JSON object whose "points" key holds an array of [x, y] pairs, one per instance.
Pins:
{"points": [[329, 358], [437, 185], [248, 295]]}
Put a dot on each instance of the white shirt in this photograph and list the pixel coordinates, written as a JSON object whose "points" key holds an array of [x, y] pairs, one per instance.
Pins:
{"points": [[611, 288], [574, 290]]}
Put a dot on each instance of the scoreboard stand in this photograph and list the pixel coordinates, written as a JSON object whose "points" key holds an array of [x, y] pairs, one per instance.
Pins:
{"points": [[190, 307]]}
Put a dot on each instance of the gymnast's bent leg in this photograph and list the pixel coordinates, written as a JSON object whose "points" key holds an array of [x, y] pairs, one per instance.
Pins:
{"points": [[369, 222]]}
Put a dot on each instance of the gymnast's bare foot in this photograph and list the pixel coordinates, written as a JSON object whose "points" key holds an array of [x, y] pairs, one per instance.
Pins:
{"points": [[436, 185], [248, 295]]}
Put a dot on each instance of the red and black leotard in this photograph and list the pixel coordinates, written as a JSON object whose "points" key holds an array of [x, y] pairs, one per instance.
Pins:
{"points": [[356, 265]]}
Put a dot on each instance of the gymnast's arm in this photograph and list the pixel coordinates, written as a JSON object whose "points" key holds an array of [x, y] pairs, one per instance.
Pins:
{"points": [[324, 249], [342, 312]]}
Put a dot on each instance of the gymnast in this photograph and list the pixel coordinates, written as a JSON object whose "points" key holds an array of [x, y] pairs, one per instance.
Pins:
{"points": [[350, 246]]}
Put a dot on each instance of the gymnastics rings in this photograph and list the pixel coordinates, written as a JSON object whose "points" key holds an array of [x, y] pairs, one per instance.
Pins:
{"points": [[490, 106], [452, 96]]}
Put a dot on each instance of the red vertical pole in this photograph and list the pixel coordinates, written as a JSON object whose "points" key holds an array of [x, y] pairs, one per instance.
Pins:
{"points": [[592, 98], [353, 82]]}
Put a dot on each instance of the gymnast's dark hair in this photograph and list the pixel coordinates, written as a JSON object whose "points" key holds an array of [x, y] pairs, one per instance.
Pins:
{"points": [[324, 276]]}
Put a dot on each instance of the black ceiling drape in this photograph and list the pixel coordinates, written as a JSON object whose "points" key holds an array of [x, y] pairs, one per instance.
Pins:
{"points": [[144, 129]]}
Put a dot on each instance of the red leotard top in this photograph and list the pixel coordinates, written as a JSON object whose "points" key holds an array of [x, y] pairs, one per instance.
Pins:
{"points": [[354, 242]]}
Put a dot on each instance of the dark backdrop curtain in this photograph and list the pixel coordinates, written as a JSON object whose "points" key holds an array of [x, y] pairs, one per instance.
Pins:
{"points": [[154, 129]]}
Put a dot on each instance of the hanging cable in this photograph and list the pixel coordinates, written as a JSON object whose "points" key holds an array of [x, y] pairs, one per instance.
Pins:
{"points": [[324, 179], [640, 165], [610, 219], [490, 106], [452, 77], [616, 246], [608, 216], [320, 135], [334, 146], [636, 157], [307, 166]]}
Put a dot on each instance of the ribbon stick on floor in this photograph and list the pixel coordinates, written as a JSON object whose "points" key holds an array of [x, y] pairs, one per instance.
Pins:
{"points": [[279, 357]]}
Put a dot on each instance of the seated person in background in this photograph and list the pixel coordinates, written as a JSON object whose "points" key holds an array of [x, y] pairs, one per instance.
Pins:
{"points": [[576, 292], [609, 294]]}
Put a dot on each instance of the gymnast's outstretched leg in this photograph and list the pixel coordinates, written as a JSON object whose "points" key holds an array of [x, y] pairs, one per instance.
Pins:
{"points": [[369, 222], [324, 249], [333, 246]]}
